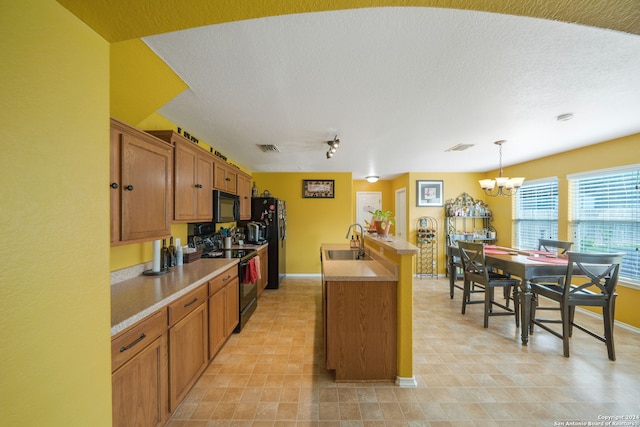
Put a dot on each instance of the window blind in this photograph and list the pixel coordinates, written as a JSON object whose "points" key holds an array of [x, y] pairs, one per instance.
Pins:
{"points": [[605, 215], [536, 212]]}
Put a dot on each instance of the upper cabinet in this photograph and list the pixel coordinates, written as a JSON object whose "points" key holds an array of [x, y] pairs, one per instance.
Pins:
{"points": [[193, 179], [141, 185], [244, 191], [225, 177]]}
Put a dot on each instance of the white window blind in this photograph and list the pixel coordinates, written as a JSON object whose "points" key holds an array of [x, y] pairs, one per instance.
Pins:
{"points": [[605, 215], [536, 212]]}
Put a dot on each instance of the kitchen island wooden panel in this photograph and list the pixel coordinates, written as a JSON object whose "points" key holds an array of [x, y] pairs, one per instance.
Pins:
{"points": [[361, 330]]}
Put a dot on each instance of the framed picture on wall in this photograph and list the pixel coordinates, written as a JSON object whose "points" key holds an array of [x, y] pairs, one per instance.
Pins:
{"points": [[429, 193], [318, 189]]}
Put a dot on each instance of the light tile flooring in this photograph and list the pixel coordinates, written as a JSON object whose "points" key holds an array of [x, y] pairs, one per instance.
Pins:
{"points": [[272, 374]]}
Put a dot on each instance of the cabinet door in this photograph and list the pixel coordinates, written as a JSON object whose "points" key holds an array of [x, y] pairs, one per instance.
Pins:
{"points": [[232, 180], [225, 177], [185, 191], [114, 185], [264, 270], [232, 306], [146, 188], [217, 332], [244, 191], [204, 187], [139, 388], [187, 354]]}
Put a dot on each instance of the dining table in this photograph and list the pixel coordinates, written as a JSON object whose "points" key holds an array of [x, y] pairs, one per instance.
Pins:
{"points": [[525, 264]]}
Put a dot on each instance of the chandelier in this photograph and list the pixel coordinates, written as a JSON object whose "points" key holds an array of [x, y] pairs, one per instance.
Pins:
{"points": [[506, 186]]}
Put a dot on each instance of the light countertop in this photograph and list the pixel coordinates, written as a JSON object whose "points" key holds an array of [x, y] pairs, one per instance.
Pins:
{"points": [[376, 269], [134, 299]]}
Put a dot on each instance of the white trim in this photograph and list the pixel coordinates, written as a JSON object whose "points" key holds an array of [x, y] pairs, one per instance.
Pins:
{"points": [[406, 382], [304, 275], [540, 181], [607, 171], [617, 323]]}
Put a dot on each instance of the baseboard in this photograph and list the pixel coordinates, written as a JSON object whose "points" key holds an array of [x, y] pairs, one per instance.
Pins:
{"points": [[405, 382]]}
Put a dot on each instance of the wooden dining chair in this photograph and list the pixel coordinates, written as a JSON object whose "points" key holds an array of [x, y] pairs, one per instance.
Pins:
{"points": [[591, 280], [476, 272]]}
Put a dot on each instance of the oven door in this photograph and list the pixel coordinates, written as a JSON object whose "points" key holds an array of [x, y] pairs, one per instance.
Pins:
{"points": [[248, 276]]}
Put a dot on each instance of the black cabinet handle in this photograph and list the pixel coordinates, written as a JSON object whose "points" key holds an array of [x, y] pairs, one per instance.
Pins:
{"points": [[129, 187], [114, 185], [189, 303], [127, 347], [227, 179], [198, 185]]}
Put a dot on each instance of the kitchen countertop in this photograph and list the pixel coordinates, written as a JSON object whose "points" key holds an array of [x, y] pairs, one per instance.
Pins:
{"points": [[377, 269], [134, 299]]}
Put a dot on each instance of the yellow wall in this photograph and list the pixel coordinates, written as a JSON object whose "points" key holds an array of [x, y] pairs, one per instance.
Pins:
{"points": [[310, 222], [55, 365]]}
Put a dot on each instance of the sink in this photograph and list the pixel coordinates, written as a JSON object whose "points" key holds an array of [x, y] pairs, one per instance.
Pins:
{"points": [[346, 255]]}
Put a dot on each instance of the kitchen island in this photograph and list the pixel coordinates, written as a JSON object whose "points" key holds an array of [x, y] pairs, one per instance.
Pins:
{"points": [[364, 312]]}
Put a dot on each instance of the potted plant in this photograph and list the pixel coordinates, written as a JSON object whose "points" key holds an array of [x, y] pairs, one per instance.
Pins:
{"points": [[382, 220]]}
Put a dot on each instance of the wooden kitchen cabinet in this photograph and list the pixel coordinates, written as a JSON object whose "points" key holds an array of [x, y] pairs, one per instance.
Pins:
{"points": [[360, 327], [224, 308], [264, 269], [193, 178], [188, 322], [139, 373], [244, 191], [141, 185], [225, 177]]}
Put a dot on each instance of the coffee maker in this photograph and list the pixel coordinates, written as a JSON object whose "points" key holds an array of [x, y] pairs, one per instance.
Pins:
{"points": [[256, 232]]}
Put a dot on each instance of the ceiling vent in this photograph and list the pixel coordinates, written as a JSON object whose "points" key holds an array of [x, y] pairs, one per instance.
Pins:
{"points": [[269, 148], [460, 147]]}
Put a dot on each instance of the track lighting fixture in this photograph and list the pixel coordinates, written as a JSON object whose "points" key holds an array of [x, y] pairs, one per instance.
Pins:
{"points": [[333, 146]]}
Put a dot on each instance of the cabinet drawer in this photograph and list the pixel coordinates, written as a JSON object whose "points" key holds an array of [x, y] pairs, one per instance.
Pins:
{"points": [[223, 279], [186, 304], [135, 339]]}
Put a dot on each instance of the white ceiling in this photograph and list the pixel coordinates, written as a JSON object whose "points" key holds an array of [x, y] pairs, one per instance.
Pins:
{"points": [[399, 86]]}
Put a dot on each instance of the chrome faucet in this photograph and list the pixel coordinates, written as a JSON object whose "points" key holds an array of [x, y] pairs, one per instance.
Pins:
{"points": [[361, 250]]}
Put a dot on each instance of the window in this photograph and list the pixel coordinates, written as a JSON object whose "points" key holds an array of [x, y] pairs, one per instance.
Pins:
{"points": [[605, 215], [536, 212]]}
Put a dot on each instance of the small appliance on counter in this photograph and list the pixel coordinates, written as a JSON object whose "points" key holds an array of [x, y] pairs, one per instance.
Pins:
{"points": [[256, 232]]}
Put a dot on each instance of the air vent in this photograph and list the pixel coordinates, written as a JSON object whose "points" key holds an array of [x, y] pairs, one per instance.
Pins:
{"points": [[460, 147], [269, 148]]}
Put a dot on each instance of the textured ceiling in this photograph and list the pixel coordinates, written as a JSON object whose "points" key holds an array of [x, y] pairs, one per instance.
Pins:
{"points": [[400, 85]]}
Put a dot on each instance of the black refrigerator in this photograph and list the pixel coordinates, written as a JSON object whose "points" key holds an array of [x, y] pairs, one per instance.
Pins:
{"points": [[273, 213]]}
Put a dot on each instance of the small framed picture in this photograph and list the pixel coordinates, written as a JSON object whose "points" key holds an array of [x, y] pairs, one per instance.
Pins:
{"points": [[429, 193], [318, 189]]}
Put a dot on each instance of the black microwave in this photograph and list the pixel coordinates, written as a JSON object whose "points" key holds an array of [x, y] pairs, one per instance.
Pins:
{"points": [[226, 207]]}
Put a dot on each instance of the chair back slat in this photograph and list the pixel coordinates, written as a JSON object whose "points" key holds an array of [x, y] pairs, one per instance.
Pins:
{"points": [[550, 245], [599, 269], [472, 258]]}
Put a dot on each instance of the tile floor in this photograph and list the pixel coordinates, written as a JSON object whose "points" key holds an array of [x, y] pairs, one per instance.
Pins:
{"points": [[272, 374]]}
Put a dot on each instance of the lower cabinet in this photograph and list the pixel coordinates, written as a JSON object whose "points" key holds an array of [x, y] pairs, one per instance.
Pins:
{"points": [[156, 361], [264, 269], [139, 373], [360, 323], [224, 308], [187, 343]]}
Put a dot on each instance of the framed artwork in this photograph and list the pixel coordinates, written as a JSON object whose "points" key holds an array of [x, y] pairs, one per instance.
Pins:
{"points": [[318, 189], [429, 193]]}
